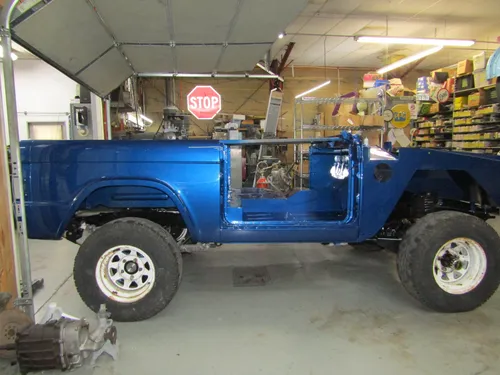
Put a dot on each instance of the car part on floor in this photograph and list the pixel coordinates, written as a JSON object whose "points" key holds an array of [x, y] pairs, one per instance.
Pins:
{"points": [[63, 343], [11, 322], [450, 261], [132, 265]]}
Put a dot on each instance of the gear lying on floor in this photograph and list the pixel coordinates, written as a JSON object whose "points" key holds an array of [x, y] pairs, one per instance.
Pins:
{"points": [[59, 341]]}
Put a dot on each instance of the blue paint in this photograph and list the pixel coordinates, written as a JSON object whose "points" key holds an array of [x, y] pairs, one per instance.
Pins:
{"points": [[193, 176]]}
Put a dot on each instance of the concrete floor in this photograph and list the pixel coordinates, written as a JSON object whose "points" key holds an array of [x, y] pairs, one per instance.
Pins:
{"points": [[326, 310]]}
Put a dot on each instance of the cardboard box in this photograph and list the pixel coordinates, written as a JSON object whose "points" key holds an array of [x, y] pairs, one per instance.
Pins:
{"points": [[464, 67], [474, 100], [464, 83], [356, 120], [439, 77], [480, 78], [450, 84], [491, 96], [479, 61], [460, 103]]}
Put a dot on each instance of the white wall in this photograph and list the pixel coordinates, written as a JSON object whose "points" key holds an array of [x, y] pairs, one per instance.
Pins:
{"points": [[42, 93]]}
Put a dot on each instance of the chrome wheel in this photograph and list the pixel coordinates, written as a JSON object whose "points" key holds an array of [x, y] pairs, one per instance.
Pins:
{"points": [[459, 266], [125, 274]]}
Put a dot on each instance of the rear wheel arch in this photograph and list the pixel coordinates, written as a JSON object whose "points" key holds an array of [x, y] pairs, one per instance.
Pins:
{"points": [[86, 192]]}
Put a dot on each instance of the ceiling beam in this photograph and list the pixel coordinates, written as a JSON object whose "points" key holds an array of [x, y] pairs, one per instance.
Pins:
{"points": [[285, 57]]}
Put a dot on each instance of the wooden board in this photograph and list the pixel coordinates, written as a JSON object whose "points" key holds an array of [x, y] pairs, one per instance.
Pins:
{"points": [[8, 281]]}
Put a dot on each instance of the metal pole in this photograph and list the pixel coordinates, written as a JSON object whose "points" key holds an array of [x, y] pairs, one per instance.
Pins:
{"points": [[21, 242], [210, 75], [301, 155], [108, 116], [295, 147]]}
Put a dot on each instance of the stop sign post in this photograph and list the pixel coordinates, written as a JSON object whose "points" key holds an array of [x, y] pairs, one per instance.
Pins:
{"points": [[204, 102]]}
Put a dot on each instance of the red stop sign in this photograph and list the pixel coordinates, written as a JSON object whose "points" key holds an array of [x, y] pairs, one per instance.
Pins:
{"points": [[204, 102]]}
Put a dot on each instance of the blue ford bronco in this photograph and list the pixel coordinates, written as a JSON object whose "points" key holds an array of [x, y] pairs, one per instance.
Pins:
{"points": [[136, 205]]}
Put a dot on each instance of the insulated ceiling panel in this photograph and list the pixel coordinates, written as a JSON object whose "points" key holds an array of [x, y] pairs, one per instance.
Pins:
{"points": [[150, 59], [156, 36], [198, 21], [263, 20], [188, 58], [107, 73], [136, 20], [67, 32], [241, 57]]}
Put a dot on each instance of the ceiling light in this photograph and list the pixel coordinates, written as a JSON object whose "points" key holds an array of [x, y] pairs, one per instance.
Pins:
{"points": [[281, 35], [409, 59], [418, 41], [313, 89], [12, 54]]}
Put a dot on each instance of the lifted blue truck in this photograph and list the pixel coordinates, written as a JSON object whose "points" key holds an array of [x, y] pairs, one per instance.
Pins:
{"points": [[143, 202]]}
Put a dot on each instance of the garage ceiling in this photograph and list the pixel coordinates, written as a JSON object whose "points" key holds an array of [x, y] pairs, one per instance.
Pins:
{"points": [[100, 43], [330, 24]]}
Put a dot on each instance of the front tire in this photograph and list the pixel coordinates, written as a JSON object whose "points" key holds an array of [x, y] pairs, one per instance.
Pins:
{"points": [[450, 261], [132, 265]]}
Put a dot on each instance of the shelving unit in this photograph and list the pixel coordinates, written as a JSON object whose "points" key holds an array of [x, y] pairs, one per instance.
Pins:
{"points": [[469, 128], [434, 130], [477, 130]]}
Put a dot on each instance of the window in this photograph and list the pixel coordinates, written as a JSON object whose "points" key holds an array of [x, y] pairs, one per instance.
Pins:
{"points": [[46, 130]]}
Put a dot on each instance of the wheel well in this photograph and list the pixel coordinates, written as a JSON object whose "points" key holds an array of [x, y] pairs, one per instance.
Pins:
{"points": [[168, 218], [119, 199], [437, 190]]}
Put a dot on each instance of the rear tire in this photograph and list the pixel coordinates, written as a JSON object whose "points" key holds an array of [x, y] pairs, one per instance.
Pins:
{"points": [[132, 265], [450, 261]]}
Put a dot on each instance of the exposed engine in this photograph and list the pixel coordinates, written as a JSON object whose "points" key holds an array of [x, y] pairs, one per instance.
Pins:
{"points": [[276, 176]]}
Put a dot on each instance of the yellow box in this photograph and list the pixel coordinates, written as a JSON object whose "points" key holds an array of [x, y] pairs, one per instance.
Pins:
{"points": [[460, 102], [474, 100], [434, 108]]}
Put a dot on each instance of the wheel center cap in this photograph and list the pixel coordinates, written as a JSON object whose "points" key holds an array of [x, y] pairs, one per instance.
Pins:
{"points": [[131, 267]]}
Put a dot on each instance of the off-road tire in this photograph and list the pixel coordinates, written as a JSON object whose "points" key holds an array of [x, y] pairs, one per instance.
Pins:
{"points": [[419, 247], [150, 238]]}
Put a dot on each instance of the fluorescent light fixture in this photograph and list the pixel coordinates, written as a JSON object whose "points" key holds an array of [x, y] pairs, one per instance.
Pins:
{"points": [[146, 119], [12, 54], [409, 59], [313, 89], [281, 35], [417, 41]]}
